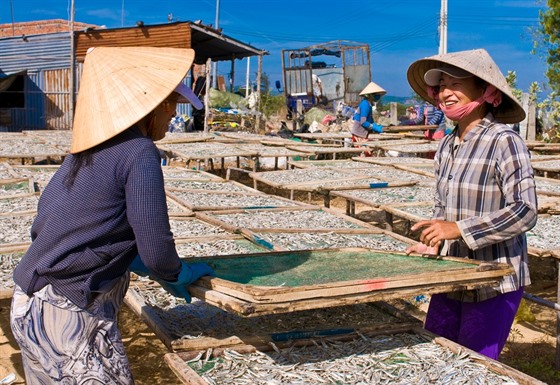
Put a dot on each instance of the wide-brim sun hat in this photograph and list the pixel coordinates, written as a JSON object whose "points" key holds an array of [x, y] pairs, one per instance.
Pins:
{"points": [[121, 85], [461, 64], [373, 88]]}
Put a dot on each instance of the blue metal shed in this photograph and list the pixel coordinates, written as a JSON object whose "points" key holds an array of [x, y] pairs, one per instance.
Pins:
{"points": [[36, 70]]}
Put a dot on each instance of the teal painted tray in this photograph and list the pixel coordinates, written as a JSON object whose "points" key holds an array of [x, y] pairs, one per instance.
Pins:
{"points": [[353, 274]]}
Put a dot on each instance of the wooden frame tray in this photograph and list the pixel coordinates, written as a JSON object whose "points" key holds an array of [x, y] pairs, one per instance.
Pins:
{"points": [[385, 160], [16, 186], [284, 240], [542, 239], [384, 196], [338, 164], [547, 186], [9, 258], [19, 204], [184, 173], [304, 218], [316, 180], [398, 353], [212, 246], [203, 200], [198, 326], [19, 233], [311, 274], [208, 185]]}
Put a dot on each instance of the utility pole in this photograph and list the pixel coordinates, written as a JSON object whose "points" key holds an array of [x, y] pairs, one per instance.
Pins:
{"points": [[122, 14], [215, 64], [12, 12], [72, 66], [247, 84], [443, 28]]}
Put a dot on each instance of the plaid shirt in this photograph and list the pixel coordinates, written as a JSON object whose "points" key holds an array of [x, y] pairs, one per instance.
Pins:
{"points": [[486, 184]]}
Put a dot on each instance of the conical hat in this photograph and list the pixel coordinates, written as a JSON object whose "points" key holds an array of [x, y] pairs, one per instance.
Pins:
{"points": [[121, 85], [373, 88], [476, 62]]}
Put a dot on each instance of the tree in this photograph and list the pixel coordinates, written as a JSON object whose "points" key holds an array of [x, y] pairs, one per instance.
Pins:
{"points": [[548, 40]]}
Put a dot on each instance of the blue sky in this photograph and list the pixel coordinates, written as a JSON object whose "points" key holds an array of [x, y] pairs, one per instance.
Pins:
{"points": [[398, 32]]}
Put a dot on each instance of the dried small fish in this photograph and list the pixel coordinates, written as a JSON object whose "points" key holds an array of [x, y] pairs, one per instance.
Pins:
{"points": [[393, 359], [286, 219]]}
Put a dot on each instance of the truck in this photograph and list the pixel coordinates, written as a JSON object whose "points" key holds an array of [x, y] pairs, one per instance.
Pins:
{"points": [[342, 66]]}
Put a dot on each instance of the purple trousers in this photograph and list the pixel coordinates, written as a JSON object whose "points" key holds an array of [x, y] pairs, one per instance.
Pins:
{"points": [[480, 326]]}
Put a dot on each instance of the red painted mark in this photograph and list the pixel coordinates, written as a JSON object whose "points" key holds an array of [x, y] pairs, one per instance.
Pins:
{"points": [[375, 284]]}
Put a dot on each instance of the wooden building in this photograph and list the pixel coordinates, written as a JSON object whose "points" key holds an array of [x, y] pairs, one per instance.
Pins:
{"points": [[37, 77]]}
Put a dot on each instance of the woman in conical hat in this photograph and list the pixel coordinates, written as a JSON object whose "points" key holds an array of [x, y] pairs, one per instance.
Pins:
{"points": [[363, 123], [102, 215], [485, 195]]}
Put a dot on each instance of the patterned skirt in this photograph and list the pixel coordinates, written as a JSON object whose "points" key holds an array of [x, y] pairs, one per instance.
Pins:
{"points": [[64, 344]]}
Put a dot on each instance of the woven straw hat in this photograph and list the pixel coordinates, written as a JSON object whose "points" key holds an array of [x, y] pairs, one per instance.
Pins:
{"points": [[476, 62], [121, 85], [373, 88]]}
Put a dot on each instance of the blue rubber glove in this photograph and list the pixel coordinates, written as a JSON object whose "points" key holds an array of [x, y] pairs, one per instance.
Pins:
{"points": [[376, 128], [189, 274], [138, 267]]}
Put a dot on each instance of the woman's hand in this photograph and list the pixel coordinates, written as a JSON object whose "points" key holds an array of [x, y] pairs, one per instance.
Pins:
{"points": [[421, 248], [436, 231]]}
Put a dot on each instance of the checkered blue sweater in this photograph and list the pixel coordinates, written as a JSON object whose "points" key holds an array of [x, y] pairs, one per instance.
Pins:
{"points": [[85, 236]]}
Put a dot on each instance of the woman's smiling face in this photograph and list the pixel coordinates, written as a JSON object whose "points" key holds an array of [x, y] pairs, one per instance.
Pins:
{"points": [[458, 91]]}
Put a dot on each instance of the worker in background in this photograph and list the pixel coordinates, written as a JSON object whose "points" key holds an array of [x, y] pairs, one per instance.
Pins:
{"points": [[102, 215], [433, 116], [363, 123], [317, 89], [485, 198]]}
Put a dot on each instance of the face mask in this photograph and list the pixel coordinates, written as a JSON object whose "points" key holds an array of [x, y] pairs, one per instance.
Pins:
{"points": [[491, 95]]}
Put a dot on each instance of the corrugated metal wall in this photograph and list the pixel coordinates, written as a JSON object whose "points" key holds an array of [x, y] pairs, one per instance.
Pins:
{"points": [[39, 52], [47, 61]]}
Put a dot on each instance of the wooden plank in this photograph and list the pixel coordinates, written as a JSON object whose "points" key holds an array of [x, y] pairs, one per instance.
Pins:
{"points": [[403, 128], [417, 169], [263, 342], [183, 371], [136, 303], [251, 309], [400, 210]]}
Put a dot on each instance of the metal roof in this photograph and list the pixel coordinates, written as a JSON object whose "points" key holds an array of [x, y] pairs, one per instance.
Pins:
{"points": [[210, 43]]}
